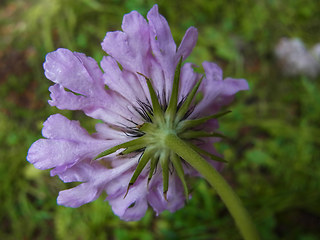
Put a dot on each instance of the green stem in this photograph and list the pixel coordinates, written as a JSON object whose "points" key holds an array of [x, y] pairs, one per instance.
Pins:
{"points": [[228, 196]]}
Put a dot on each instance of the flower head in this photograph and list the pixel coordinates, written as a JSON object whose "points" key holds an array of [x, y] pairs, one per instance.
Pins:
{"points": [[144, 93]]}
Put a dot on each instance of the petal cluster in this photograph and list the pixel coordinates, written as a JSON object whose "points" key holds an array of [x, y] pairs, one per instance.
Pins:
{"points": [[118, 95]]}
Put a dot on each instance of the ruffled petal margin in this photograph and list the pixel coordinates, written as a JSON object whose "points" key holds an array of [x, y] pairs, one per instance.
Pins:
{"points": [[67, 143]]}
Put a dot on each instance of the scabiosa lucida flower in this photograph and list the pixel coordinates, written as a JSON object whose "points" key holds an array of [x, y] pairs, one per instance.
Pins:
{"points": [[150, 95]]}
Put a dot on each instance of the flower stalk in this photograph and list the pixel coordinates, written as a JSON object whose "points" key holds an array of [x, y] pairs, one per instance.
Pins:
{"points": [[228, 196]]}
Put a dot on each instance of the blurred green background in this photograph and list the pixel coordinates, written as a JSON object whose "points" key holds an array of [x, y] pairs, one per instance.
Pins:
{"points": [[273, 133]]}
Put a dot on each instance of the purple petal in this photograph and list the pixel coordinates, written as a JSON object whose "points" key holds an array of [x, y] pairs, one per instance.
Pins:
{"points": [[82, 75], [162, 43], [188, 78], [164, 49], [74, 71], [213, 71], [122, 81], [134, 205], [77, 196], [116, 44], [217, 92], [65, 147], [159, 82], [130, 47], [95, 177], [97, 172], [59, 127], [175, 195], [105, 132], [136, 211], [187, 44], [162, 40], [137, 30], [84, 171], [232, 86], [112, 109], [67, 100], [45, 153]]}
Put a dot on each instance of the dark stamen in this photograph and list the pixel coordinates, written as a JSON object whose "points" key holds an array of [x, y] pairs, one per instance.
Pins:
{"points": [[133, 132], [144, 110], [190, 110], [163, 100]]}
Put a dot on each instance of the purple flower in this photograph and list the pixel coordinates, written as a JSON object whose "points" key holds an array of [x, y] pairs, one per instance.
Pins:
{"points": [[143, 92], [295, 59]]}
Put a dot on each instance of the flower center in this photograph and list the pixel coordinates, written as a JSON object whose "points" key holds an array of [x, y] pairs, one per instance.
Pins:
{"points": [[162, 120]]}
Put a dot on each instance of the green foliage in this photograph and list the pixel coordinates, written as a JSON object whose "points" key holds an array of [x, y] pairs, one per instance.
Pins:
{"points": [[272, 133]]}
